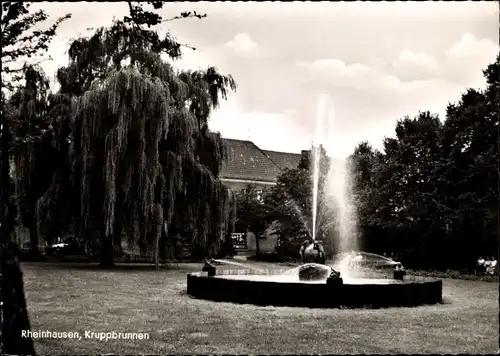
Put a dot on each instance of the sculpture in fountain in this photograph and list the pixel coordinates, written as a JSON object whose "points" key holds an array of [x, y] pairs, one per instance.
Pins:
{"points": [[312, 252], [314, 272], [209, 268], [313, 259], [399, 272]]}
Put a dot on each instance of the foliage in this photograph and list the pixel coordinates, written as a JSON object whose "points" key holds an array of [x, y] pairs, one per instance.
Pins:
{"points": [[290, 201], [138, 171], [252, 213], [288, 250], [33, 151], [20, 39], [433, 192]]}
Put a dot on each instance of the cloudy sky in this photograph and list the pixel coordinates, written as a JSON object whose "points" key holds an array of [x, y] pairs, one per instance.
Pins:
{"points": [[360, 66]]}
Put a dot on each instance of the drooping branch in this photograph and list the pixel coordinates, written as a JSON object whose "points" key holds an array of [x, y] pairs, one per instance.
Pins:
{"points": [[185, 15]]}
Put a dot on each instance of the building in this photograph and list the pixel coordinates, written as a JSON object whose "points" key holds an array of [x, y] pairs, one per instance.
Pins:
{"points": [[248, 164]]}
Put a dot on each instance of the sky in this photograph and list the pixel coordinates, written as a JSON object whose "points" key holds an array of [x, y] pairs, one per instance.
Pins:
{"points": [[357, 67]]}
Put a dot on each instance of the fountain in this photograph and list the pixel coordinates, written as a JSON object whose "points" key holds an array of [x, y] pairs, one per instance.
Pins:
{"points": [[314, 284]]}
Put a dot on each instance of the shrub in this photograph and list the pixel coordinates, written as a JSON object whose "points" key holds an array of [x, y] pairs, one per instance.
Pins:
{"points": [[226, 249], [289, 250], [272, 257]]}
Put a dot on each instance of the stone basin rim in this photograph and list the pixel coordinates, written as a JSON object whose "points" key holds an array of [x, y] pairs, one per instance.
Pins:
{"points": [[203, 275], [313, 295]]}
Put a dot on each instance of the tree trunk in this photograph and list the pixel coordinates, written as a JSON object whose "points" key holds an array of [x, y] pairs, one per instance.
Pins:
{"points": [[156, 248], [167, 247], [35, 251], [15, 318], [107, 259], [14, 314], [257, 244]]}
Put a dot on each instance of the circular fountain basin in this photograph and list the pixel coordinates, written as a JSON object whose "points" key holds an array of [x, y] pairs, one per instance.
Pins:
{"points": [[286, 290]]}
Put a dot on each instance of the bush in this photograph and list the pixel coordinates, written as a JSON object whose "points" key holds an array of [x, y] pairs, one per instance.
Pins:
{"points": [[31, 256], [186, 252], [289, 250], [272, 257], [226, 249]]}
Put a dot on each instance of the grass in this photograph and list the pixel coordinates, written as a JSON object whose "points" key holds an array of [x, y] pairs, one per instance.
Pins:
{"points": [[71, 297], [455, 275]]}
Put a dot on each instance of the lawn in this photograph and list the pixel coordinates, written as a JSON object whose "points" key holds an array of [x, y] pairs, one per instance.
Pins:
{"points": [[72, 297]]}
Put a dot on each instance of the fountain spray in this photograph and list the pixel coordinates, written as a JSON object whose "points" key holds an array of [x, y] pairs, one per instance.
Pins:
{"points": [[316, 153]]}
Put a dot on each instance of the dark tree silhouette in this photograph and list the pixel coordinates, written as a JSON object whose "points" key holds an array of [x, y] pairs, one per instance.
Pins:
{"points": [[141, 170], [19, 41], [433, 192]]}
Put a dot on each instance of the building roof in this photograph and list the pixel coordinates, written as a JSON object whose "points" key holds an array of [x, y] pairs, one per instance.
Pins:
{"points": [[284, 159], [247, 161]]}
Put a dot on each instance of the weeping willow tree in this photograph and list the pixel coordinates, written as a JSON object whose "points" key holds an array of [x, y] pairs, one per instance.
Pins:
{"points": [[144, 163], [54, 210], [123, 118], [38, 152], [32, 151]]}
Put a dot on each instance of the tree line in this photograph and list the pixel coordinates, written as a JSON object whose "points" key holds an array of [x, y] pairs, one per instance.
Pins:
{"points": [[430, 195], [433, 191]]}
